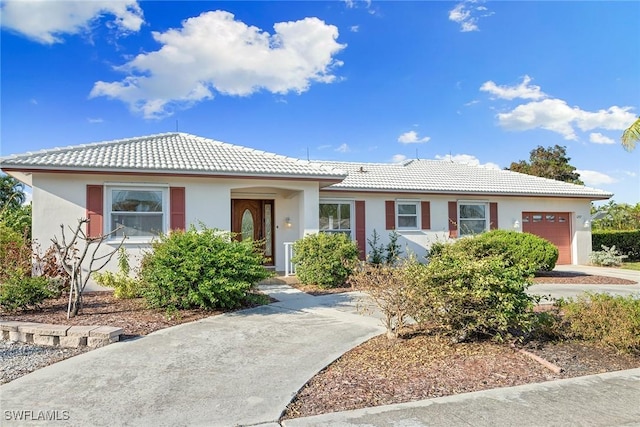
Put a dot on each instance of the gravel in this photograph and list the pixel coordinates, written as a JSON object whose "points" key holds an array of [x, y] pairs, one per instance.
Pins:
{"points": [[18, 359]]}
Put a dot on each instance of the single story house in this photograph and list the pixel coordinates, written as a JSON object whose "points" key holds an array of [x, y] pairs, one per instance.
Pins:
{"points": [[167, 181]]}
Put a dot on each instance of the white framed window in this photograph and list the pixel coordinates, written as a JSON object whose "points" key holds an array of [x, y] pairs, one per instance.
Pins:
{"points": [[473, 218], [141, 212], [336, 216], [407, 214]]}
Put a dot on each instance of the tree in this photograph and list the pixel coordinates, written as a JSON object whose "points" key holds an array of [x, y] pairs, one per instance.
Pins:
{"points": [[631, 135], [551, 162], [11, 193], [616, 216]]}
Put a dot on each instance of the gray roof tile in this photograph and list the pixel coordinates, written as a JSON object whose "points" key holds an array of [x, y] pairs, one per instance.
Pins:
{"points": [[439, 176], [171, 153]]}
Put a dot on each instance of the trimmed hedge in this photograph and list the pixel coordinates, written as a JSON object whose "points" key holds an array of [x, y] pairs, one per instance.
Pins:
{"points": [[325, 259], [627, 242]]}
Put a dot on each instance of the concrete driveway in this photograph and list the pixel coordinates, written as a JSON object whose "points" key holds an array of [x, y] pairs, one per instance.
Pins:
{"points": [[573, 290], [239, 368]]}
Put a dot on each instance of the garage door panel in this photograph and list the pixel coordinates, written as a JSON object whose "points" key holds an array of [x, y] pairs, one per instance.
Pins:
{"points": [[552, 226]]}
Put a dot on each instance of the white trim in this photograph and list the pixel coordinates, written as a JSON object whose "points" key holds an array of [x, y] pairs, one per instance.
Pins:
{"points": [[136, 184], [487, 215], [418, 215], [352, 214], [108, 202]]}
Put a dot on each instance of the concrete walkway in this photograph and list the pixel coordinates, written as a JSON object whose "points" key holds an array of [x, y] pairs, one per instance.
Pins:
{"points": [[241, 368]]}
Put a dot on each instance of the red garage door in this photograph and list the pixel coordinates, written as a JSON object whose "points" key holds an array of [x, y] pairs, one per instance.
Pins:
{"points": [[553, 226]]}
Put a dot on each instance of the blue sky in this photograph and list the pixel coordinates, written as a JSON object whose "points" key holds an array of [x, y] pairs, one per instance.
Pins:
{"points": [[477, 82]]}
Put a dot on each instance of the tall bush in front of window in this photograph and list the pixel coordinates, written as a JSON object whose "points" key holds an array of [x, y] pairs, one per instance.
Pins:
{"points": [[204, 268], [325, 259]]}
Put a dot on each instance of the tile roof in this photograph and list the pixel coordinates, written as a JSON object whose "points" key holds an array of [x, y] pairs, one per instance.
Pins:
{"points": [[182, 153], [440, 176], [170, 153]]}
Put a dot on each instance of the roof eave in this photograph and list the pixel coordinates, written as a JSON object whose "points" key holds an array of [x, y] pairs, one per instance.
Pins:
{"points": [[174, 172], [604, 196]]}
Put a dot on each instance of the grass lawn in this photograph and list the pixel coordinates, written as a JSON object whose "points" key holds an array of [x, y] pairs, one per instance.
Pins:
{"points": [[631, 266]]}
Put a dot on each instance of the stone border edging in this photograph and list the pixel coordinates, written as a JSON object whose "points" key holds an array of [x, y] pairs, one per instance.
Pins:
{"points": [[59, 335]]}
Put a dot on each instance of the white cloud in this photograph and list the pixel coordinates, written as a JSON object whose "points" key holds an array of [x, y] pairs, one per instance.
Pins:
{"points": [[398, 158], [324, 146], [472, 102], [467, 14], [354, 28], [467, 159], [631, 173], [523, 90], [28, 196], [412, 137], [215, 52], [354, 3], [95, 120], [45, 21], [344, 148], [33, 101], [594, 178], [555, 115], [598, 138]]}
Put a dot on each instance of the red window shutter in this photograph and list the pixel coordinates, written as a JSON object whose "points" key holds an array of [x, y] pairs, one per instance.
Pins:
{"points": [[177, 208], [493, 216], [95, 210], [361, 233], [453, 219], [390, 214], [426, 215]]}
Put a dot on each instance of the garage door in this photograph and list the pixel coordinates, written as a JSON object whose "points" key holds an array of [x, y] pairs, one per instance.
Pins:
{"points": [[553, 226]]}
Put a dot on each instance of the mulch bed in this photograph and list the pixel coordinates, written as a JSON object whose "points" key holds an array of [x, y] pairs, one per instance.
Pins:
{"points": [[102, 308], [571, 277], [383, 371]]}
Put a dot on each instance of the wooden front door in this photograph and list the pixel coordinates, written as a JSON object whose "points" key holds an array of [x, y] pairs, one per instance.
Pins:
{"points": [[253, 219]]}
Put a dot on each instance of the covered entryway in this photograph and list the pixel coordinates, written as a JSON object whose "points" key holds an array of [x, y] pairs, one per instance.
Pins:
{"points": [[553, 226], [253, 219]]}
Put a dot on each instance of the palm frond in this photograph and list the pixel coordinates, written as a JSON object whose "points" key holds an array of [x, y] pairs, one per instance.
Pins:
{"points": [[631, 136]]}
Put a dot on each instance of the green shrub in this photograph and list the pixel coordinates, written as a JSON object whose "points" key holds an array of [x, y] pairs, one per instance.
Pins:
{"points": [[384, 254], [611, 320], [325, 259], [123, 285], [539, 254], [20, 292], [627, 242], [607, 257], [468, 296], [531, 252], [15, 253], [204, 268]]}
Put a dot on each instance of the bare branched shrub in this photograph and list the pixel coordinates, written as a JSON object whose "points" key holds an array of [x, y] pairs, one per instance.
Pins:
{"points": [[72, 253], [387, 287]]}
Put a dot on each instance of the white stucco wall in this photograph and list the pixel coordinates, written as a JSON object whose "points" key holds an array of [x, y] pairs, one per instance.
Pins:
{"points": [[61, 199], [509, 210]]}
